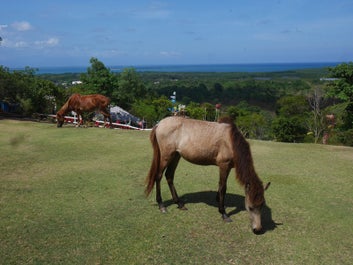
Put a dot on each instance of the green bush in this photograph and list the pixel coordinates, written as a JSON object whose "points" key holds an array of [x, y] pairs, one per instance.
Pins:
{"points": [[288, 129], [346, 137]]}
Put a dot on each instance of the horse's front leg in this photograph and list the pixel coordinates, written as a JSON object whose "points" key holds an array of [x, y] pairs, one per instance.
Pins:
{"points": [[79, 118], [222, 189]]}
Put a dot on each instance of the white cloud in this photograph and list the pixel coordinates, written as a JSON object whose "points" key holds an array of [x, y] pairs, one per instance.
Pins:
{"points": [[22, 25], [169, 54], [20, 44], [155, 10], [41, 44], [3, 27], [51, 42]]}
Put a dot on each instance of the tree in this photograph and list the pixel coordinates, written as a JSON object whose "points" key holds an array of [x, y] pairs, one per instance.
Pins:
{"points": [[210, 112], [342, 88], [152, 110], [145, 109], [130, 88], [28, 91], [316, 123], [195, 111], [252, 125], [216, 91], [292, 105], [290, 123], [6, 82], [288, 129], [251, 120], [233, 112], [99, 79]]}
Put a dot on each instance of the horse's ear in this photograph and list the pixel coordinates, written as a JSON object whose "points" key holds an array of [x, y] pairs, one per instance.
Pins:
{"points": [[267, 185]]}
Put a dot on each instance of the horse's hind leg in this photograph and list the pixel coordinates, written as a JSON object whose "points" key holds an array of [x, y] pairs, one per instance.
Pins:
{"points": [[159, 200], [169, 174], [106, 115]]}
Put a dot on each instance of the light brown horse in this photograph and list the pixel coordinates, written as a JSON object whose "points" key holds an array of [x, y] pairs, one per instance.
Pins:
{"points": [[205, 143], [80, 104]]}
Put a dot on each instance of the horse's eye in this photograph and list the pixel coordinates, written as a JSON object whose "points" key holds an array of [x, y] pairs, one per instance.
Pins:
{"points": [[251, 208]]}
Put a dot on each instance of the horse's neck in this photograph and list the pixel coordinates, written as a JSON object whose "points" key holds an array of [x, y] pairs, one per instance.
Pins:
{"points": [[64, 109]]}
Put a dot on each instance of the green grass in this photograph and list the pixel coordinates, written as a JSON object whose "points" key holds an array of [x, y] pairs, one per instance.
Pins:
{"points": [[76, 196]]}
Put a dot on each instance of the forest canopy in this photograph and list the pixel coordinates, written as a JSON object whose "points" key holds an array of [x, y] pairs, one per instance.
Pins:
{"points": [[313, 105]]}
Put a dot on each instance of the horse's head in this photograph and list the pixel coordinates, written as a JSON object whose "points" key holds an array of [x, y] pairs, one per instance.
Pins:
{"points": [[60, 119], [254, 202]]}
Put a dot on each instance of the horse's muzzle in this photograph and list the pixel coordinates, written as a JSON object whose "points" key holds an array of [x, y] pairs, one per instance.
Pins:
{"points": [[258, 231]]}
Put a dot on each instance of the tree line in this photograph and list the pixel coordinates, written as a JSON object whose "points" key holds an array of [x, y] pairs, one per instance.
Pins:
{"points": [[292, 106]]}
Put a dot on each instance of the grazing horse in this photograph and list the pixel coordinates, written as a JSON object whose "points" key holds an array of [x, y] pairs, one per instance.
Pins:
{"points": [[205, 143], [80, 104]]}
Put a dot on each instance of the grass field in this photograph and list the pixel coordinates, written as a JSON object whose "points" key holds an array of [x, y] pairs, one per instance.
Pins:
{"points": [[76, 196]]}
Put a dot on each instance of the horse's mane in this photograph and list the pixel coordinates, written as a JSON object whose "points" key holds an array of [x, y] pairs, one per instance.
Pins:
{"points": [[73, 99], [69, 103], [244, 165], [64, 109]]}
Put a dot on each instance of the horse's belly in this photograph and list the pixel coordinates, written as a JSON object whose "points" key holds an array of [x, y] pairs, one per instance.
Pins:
{"points": [[200, 159], [202, 156]]}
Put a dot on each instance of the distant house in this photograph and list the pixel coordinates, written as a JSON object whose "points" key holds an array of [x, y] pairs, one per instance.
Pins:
{"points": [[78, 82]]}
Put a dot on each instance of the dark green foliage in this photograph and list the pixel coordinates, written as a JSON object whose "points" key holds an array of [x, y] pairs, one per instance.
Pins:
{"points": [[152, 110], [130, 88], [32, 93], [264, 105], [99, 79], [252, 121], [342, 88], [288, 129], [195, 110], [292, 115], [346, 137]]}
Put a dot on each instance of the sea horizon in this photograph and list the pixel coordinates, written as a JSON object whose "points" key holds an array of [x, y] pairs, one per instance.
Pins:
{"points": [[217, 68]]}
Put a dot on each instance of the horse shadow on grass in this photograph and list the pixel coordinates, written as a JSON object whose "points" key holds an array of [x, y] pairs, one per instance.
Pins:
{"points": [[231, 201]]}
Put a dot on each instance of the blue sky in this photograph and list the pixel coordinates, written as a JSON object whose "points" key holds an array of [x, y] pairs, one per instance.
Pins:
{"points": [[68, 33]]}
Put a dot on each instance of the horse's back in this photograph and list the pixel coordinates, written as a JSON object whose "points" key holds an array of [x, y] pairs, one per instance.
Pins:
{"points": [[74, 101], [199, 142], [99, 100], [194, 129], [89, 102]]}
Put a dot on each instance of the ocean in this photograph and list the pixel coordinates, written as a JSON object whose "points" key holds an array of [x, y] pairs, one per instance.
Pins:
{"points": [[217, 68]]}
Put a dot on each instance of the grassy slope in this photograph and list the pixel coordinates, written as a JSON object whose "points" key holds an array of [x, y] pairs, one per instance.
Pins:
{"points": [[75, 196]]}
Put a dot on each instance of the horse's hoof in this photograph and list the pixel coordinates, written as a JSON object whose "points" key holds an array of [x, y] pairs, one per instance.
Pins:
{"points": [[163, 209], [182, 207], [226, 219]]}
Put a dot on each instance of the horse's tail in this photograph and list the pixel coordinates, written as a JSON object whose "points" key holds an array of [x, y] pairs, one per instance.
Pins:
{"points": [[151, 177]]}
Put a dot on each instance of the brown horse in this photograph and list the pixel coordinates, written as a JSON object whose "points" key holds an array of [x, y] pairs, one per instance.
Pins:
{"points": [[205, 143], [80, 104]]}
